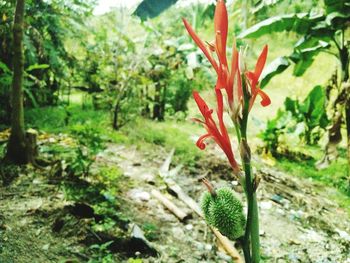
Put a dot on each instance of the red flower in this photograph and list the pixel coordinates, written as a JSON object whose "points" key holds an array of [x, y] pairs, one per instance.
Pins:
{"points": [[253, 77], [230, 80], [219, 134]]}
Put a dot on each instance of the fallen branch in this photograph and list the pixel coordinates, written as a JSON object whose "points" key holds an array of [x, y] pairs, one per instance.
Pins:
{"points": [[180, 214]]}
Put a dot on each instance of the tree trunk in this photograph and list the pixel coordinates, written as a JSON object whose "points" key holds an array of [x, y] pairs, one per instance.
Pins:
{"points": [[344, 58], [162, 105], [145, 112], [157, 103], [16, 148], [341, 103], [115, 116]]}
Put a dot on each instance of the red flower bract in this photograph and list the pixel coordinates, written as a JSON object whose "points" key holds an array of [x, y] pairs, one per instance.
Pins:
{"points": [[230, 80], [218, 133]]}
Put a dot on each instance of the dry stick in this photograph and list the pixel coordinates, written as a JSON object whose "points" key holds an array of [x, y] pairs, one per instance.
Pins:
{"points": [[180, 214], [225, 242]]}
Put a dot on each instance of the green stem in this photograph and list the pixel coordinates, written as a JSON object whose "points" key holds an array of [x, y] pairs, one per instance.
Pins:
{"points": [[246, 251], [238, 132], [252, 228], [251, 237], [249, 196], [255, 231]]}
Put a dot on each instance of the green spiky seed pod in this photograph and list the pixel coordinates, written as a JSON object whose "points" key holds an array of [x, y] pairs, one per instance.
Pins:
{"points": [[225, 212]]}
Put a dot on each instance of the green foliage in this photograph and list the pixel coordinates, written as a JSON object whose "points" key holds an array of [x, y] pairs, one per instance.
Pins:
{"points": [[274, 68], [169, 135], [5, 84], [225, 212], [319, 30], [306, 120], [152, 8], [299, 23], [66, 119], [135, 260], [151, 231], [334, 175], [48, 64], [101, 253]]}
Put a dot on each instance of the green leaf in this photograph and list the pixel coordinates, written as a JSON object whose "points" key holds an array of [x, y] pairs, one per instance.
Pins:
{"points": [[31, 97], [337, 6], [310, 41], [4, 68], [276, 67], [37, 66], [152, 8], [317, 105], [338, 20], [313, 108], [303, 57], [291, 105], [263, 5], [299, 23]]}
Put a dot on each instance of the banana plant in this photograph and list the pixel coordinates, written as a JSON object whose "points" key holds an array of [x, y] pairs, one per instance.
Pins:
{"points": [[322, 32], [152, 8]]}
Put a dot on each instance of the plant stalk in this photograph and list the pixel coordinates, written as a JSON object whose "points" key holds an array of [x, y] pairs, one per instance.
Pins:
{"points": [[251, 237]]}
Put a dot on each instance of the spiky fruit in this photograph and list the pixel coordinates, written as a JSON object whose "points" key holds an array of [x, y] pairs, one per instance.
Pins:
{"points": [[224, 211]]}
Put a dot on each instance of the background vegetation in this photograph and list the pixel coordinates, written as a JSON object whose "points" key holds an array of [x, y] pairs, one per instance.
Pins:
{"points": [[127, 79]]}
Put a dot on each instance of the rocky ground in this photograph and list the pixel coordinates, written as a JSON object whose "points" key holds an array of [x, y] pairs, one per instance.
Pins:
{"points": [[299, 220]]}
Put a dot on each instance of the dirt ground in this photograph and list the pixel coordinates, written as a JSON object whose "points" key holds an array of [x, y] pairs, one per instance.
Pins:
{"points": [[299, 220]]}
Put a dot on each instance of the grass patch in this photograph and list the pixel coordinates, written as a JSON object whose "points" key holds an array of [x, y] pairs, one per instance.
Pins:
{"points": [[169, 134], [142, 132], [70, 119], [335, 175]]}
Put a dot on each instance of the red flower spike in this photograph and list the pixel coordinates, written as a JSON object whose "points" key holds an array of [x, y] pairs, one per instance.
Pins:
{"points": [[261, 62], [229, 79], [220, 135], [200, 44], [254, 79], [220, 26]]}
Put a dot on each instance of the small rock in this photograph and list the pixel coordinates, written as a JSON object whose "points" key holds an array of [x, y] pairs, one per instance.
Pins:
{"points": [[143, 196], [266, 205], [52, 140], [178, 232], [343, 234], [234, 183], [280, 211], [293, 258], [46, 247], [139, 195], [277, 198], [200, 246], [296, 214], [208, 247], [139, 243], [189, 227]]}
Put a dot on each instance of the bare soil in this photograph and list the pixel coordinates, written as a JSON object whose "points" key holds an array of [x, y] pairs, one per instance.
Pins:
{"points": [[299, 220]]}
